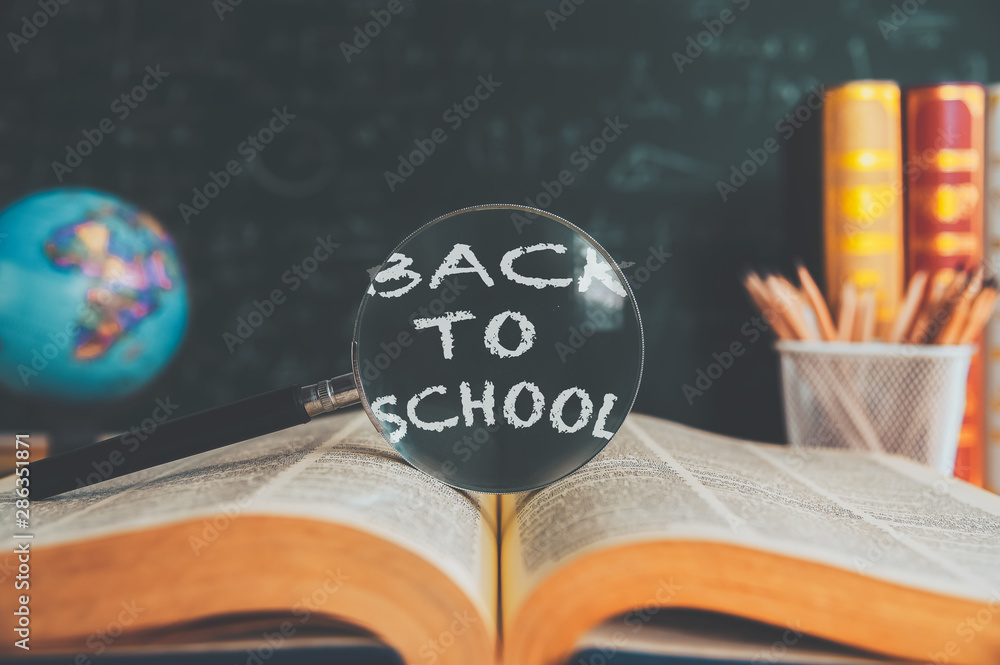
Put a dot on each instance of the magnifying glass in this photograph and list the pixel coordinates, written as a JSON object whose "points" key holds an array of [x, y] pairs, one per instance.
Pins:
{"points": [[498, 349]]}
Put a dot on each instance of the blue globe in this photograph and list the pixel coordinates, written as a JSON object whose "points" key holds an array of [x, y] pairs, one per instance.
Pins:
{"points": [[93, 302]]}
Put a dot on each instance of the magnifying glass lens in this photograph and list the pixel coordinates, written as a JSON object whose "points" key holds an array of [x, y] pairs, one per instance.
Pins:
{"points": [[498, 349]]}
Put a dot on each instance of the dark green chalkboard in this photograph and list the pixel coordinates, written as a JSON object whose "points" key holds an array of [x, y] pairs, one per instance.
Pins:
{"points": [[551, 77]]}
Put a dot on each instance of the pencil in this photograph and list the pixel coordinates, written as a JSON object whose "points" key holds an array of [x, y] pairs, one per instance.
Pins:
{"points": [[848, 306], [955, 325], [938, 306], [761, 297], [815, 298], [982, 310], [976, 281], [793, 308], [866, 321], [806, 314], [952, 330], [911, 304], [922, 330]]}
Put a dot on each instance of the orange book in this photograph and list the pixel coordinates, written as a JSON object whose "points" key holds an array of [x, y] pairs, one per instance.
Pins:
{"points": [[863, 193], [944, 209]]}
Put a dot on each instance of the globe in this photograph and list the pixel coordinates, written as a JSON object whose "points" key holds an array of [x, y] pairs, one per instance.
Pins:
{"points": [[93, 302]]}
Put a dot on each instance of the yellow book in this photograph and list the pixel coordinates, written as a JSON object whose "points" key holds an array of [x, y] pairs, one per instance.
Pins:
{"points": [[324, 530], [863, 193]]}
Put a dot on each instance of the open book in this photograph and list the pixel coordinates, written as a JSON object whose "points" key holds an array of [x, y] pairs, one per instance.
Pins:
{"points": [[325, 529]]}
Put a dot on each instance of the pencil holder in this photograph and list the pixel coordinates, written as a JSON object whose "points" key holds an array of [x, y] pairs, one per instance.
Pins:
{"points": [[904, 399]]}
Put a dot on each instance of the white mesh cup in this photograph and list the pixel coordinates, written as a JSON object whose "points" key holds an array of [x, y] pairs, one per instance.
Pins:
{"points": [[905, 399]]}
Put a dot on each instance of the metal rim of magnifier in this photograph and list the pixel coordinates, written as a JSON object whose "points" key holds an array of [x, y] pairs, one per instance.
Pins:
{"points": [[533, 211]]}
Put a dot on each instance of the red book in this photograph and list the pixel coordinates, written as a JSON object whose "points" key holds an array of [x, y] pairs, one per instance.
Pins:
{"points": [[943, 172]]}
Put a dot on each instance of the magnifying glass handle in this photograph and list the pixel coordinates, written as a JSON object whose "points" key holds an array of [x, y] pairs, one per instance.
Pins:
{"points": [[189, 435]]}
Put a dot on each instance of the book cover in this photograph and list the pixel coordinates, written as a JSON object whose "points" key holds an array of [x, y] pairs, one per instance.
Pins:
{"points": [[993, 255], [862, 193], [944, 209]]}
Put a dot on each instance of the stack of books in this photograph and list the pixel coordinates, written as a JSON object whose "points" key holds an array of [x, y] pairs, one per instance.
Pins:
{"points": [[903, 183]]}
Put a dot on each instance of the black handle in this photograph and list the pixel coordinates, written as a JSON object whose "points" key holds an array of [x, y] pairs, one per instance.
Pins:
{"points": [[172, 440]]}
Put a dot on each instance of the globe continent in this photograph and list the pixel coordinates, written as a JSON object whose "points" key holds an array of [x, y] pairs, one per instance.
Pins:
{"points": [[93, 302]]}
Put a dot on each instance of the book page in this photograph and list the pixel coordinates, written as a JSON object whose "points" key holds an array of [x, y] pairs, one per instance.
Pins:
{"points": [[878, 516], [335, 468]]}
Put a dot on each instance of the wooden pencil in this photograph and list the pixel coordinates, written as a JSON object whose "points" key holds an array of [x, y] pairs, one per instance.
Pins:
{"points": [[865, 325], [924, 328], [815, 298], [786, 293], [960, 307], [911, 304], [848, 308], [952, 329], [948, 307], [982, 310], [761, 296], [800, 302]]}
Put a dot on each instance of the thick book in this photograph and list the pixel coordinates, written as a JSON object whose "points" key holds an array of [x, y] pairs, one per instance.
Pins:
{"points": [[863, 194], [324, 532], [944, 126]]}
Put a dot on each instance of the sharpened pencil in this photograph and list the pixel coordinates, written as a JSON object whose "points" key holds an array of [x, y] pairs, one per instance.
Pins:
{"points": [[982, 310], [865, 326], [793, 307], [815, 298], [921, 327], [848, 308], [908, 312], [762, 297]]}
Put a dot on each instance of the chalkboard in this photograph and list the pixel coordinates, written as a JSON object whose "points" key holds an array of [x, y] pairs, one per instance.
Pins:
{"points": [[680, 91]]}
